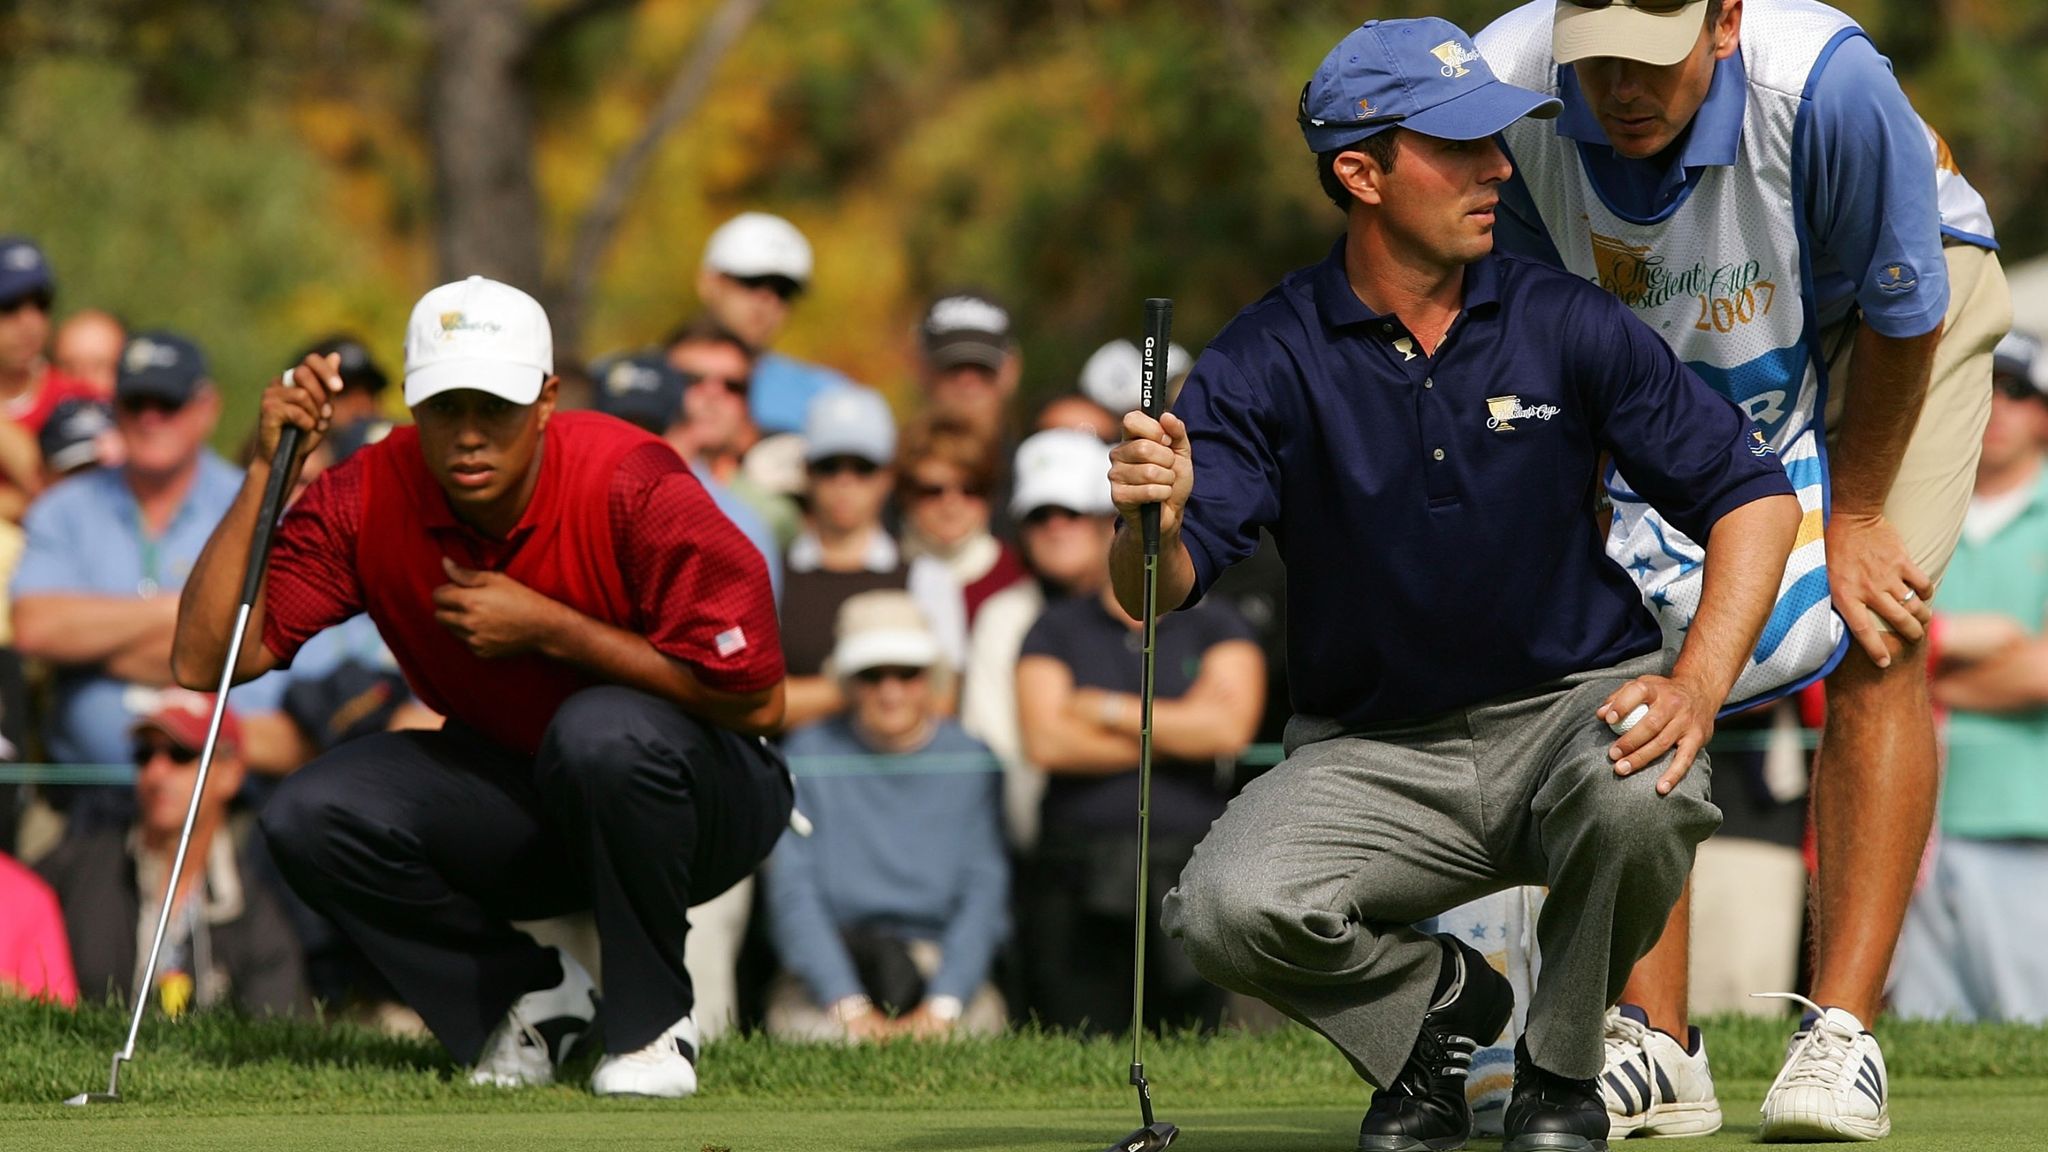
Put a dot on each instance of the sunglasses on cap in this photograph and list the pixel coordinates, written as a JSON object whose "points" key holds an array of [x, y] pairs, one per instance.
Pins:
{"points": [[783, 287], [837, 465], [737, 385], [1659, 7], [148, 750], [904, 673], [40, 301]]}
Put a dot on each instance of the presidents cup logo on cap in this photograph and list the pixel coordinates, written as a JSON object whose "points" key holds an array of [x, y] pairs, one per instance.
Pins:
{"points": [[627, 376], [478, 334], [20, 258], [1455, 56]]}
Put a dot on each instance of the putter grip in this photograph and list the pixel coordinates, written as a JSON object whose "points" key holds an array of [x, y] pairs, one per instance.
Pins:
{"points": [[266, 516], [1152, 394]]}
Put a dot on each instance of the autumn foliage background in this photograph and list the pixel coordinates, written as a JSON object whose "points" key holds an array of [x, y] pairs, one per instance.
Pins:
{"points": [[259, 173]]}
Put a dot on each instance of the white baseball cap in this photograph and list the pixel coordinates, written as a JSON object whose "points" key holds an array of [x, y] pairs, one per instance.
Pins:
{"points": [[480, 334], [852, 421], [1658, 35], [1062, 468], [758, 244], [1114, 376]]}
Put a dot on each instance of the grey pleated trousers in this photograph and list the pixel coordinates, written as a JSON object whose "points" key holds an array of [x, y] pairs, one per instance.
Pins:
{"points": [[1304, 891]]}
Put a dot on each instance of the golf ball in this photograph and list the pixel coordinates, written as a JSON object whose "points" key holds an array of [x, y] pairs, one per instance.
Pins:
{"points": [[1629, 721]]}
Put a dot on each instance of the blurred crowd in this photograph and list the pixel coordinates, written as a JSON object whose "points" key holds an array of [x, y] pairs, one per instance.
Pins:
{"points": [[963, 713]]}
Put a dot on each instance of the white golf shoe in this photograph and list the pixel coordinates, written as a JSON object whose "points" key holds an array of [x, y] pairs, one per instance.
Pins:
{"points": [[538, 1031], [1651, 1084], [1833, 1085], [667, 1066]]}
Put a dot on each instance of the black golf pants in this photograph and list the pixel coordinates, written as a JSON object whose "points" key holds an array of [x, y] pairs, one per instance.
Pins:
{"points": [[423, 846]]}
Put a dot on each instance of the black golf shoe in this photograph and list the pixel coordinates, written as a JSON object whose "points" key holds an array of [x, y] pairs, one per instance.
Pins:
{"points": [[1552, 1113], [1424, 1109]]}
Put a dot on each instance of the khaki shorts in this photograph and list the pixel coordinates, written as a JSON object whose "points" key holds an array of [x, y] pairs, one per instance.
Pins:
{"points": [[1927, 501]]}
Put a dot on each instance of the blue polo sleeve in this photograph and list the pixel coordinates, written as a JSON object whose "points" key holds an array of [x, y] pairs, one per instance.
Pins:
{"points": [[53, 558], [1237, 473], [1870, 194], [1687, 449]]}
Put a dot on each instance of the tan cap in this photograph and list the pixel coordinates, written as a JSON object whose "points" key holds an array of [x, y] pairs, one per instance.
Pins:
{"points": [[1624, 30]]}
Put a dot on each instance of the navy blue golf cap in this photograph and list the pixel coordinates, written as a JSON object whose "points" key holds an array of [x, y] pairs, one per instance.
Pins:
{"points": [[24, 270], [641, 389], [1423, 75], [160, 366]]}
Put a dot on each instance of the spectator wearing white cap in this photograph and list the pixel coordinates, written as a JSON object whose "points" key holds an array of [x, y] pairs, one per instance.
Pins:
{"points": [[755, 266], [849, 444], [1077, 679], [889, 915], [1065, 524]]}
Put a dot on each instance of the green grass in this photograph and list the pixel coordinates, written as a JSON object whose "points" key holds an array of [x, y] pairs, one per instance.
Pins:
{"points": [[224, 1082]]}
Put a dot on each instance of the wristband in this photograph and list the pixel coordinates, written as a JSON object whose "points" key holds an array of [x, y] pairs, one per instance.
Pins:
{"points": [[947, 1008]]}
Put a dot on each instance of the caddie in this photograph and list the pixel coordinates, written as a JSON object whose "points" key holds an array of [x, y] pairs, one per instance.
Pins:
{"points": [[1750, 179]]}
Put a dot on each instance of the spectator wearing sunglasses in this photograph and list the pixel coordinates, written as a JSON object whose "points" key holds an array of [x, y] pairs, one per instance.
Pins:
{"points": [[716, 430], [890, 914], [228, 942], [755, 266], [96, 595], [944, 478], [845, 549], [1751, 180]]}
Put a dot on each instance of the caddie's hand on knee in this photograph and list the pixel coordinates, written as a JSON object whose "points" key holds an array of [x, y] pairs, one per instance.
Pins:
{"points": [[1152, 466], [1680, 721], [1872, 578], [303, 396]]}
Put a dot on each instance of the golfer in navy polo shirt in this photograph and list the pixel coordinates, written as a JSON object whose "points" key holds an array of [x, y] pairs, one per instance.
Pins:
{"points": [[1418, 422], [604, 646]]}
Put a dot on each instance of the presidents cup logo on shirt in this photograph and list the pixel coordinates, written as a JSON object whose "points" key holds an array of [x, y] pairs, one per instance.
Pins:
{"points": [[1455, 56], [1502, 410]]}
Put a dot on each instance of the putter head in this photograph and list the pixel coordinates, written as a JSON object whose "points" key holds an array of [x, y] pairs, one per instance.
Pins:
{"points": [[85, 1098], [1150, 1138]]}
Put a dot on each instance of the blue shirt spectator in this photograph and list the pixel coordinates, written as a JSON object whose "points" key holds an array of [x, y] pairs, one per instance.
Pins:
{"points": [[86, 538], [784, 388]]}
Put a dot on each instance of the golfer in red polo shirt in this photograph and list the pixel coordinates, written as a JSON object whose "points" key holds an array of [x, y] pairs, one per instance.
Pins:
{"points": [[603, 643]]}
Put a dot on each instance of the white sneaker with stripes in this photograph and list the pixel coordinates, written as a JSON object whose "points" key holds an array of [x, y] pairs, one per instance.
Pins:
{"points": [[1651, 1084], [667, 1066], [1833, 1085]]}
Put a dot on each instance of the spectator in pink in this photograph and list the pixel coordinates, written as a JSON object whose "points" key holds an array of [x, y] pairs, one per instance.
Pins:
{"points": [[35, 957]]}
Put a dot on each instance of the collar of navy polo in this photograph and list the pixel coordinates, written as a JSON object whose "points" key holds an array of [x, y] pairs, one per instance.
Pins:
{"points": [[1338, 303]]}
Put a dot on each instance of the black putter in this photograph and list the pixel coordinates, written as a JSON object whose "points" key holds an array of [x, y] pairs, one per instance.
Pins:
{"points": [[1156, 1134], [252, 583]]}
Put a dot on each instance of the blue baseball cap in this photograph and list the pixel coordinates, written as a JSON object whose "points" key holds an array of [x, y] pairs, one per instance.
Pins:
{"points": [[24, 270], [160, 366], [1423, 75], [640, 389]]}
